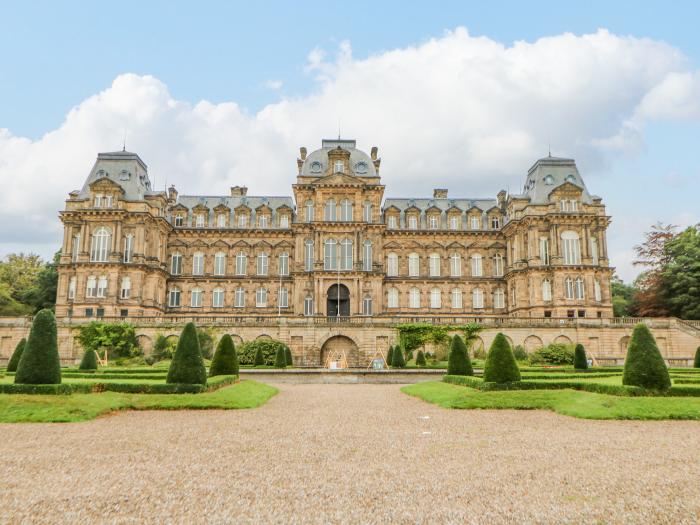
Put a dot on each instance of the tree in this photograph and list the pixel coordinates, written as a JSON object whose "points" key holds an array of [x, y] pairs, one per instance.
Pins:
{"points": [[420, 358], [16, 355], [40, 363], [397, 358], [389, 355], [259, 358], [652, 254], [623, 298], [164, 347], [42, 292], [225, 360], [89, 361], [644, 366], [288, 355], [187, 365], [501, 366], [696, 363], [280, 358], [580, 359], [206, 342], [119, 339], [458, 362], [680, 276]]}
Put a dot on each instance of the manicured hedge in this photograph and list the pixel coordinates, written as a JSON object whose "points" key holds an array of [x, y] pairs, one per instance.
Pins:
{"points": [[87, 375], [458, 362], [16, 356], [225, 360], [40, 363], [397, 359], [500, 365], [580, 359], [187, 366], [59, 389]]}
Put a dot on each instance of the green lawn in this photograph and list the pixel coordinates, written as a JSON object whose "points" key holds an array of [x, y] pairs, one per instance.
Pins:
{"points": [[567, 402], [16, 408]]}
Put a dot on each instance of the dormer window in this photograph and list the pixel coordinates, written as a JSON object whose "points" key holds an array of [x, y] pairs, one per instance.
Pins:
{"points": [[569, 205], [103, 201], [199, 220], [412, 222], [475, 222], [434, 222], [549, 180], [570, 178], [124, 175], [339, 166], [264, 221], [221, 220], [391, 222], [242, 221], [284, 221], [454, 223], [179, 220], [495, 223]]}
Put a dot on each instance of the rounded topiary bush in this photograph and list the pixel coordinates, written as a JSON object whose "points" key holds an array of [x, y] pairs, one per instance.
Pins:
{"points": [[40, 363], [280, 358], [16, 355], [89, 361], [288, 356], [580, 359], [259, 358], [187, 365], [225, 361], [696, 363], [389, 355], [397, 358], [458, 362], [644, 366], [420, 358], [500, 366]]}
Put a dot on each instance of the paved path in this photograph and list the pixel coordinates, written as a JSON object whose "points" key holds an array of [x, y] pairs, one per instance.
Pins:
{"points": [[350, 453]]}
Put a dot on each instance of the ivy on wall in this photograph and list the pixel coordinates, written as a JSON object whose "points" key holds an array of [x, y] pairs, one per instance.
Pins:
{"points": [[416, 335]]}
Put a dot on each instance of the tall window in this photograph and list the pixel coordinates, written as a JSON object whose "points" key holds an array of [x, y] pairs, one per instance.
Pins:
{"points": [[239, 298], [128, 247], [309, 210], [544, 251], [569, 287], [414, 298], [499, 298], [392, 265], [596, 291], [264, 221], [220, 263], [346, 210], [392, 223], [199, 220], [477, 266], [495, 222], [498, 265], [309, 255], [434, 265], [174, 297], [71, 287], [91, 286], [580, 288], [329, 213], [367, 211], [392, 298], [101, 241], [198, 263], [455, 265], [594, 251], [221, 220], [102, 286], [367, 256], [284, 221], [456, 295], [413, 265], [176, 264], [283, 298], [412, 222], [284, 263], [435, 298], [217, 298], [454, 223], [475, 222], [546, 290], [76, 248], [434, 222], [308, 305], [329, 255], [179, 219], [367, 305], [338, 166], [241, 263], [571, 247], [260, 298], [126, 288], [196, 296], [477, 298], [263, 264], [346, 254], [242, 220]]}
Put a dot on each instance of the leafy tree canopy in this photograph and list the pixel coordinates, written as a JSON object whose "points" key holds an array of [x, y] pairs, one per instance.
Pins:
{"points": [[119, 339]]}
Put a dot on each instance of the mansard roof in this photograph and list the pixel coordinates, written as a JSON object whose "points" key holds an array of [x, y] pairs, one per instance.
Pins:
{"points": [[316, 162], [252, 202], [547, 174], [124, 168], [441, 204]]}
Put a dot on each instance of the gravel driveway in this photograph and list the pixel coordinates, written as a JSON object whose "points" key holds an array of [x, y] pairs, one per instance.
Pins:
{"points": [[350, 453]]}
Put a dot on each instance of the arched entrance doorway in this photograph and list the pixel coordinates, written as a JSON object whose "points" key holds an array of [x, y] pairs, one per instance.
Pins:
{"points": [[338, 347], [338, 301]]}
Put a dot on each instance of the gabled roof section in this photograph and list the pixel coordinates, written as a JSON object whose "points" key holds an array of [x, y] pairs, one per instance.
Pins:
{"points": [[340, 178]]}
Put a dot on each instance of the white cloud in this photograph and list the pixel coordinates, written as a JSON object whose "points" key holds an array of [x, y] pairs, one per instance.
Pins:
{"points": [[274, 85], [456, 111]]}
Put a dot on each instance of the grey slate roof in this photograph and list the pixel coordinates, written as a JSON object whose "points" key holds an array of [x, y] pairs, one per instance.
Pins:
{"points": [[442, 204], [547, 174], [252, 202], [125, 169], [317, 161]]}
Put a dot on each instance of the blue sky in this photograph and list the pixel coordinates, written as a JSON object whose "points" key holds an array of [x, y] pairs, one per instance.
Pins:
{"points": [[58, 55]]}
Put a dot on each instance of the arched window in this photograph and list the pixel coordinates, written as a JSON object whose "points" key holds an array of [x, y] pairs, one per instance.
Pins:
{"points": [[548, 180], [569, 287], [456, 295], [241, 263], [346, 210], [198, 263], [413, 265], [434, 265], [308, 305], [546, 290], [367, 256], [196, 295], [284, 263], [477, 266], [597, 291], [263, 264], [101, 243], [477, 298], [176, 263], [392, 265], [580, 288], [455, 265], [261, 298], [239, 298], [346, 254], [435, 298], [414, 298], [499, 298], [217, 298], [367, 305], [174, 297], [330, 255], [309, 255], [220, 263], [498, 265], [392, 298], [571, 247], [309, 210], [330, 210], [367, 211]]}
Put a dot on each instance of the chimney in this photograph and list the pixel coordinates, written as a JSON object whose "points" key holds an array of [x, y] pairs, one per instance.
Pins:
{"points": [[502, 198], [439, 193], [172, 193], [374, 152], [302, 152], [238, 191]]}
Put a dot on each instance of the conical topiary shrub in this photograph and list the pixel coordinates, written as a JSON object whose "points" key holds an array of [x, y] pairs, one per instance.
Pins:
{"points": [[89, 361], [259, 359], [644, 365], [420, 358], [458, 362], [40, 363], [280, 358], [696, 363], [580, 359], [501, 366], [17, 354], [389, 355], [397, 359], [225, 360], [288, 356], [187, 365]]}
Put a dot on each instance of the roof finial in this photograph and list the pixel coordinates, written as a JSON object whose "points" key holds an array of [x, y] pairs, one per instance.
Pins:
{"points": [[549, 149], [338, 129], [124, 141]]}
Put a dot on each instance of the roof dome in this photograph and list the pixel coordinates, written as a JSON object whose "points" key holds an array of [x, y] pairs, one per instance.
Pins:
{"points": [[316, 162]]}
